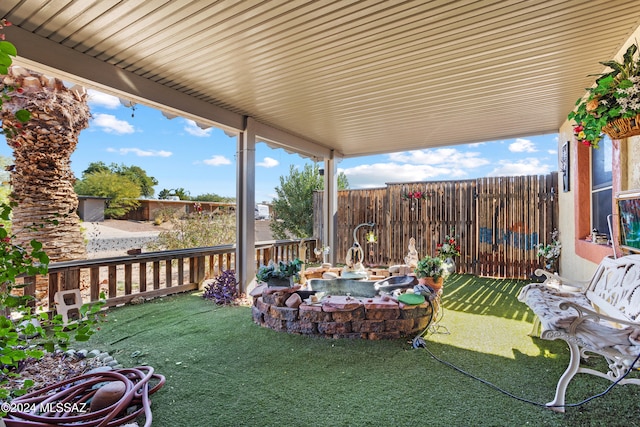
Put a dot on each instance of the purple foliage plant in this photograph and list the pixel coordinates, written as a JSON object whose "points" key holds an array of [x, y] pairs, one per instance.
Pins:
{"points": [[224, 289]]}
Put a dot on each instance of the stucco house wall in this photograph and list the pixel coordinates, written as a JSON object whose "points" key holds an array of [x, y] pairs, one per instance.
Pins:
{"points": [[580, 257]]}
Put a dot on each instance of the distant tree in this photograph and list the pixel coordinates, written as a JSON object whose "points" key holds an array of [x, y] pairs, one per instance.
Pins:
{"points": [[164, 194], [180, 192], [122, 193], [213, 197], [140, 177], [293, 205], [343, 181], [95, 167], [134, 173]]}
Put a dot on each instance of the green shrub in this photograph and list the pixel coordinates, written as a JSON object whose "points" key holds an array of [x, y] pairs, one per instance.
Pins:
{"points": [[197, 230], [23, 333]]}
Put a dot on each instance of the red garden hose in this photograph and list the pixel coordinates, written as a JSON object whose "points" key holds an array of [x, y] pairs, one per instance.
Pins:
{"points": [[67, 403]]}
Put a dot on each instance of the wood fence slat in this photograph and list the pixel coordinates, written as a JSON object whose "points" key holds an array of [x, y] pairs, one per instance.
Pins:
{"points": [[128, 269], [143, 277], [113, 281]]}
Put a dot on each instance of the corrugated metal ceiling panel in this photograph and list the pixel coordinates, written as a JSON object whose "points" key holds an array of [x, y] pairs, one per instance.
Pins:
{"points": [[361, 77]]}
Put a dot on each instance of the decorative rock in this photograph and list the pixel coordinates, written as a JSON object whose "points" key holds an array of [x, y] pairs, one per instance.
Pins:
{"points": [[137, 300], [112, 363], [25, 323], [107, 359], [293, 301], [258, 290], [100, 369], [93, 353], [107, 395], [102, 355], [70, 353], [329, 275], [81, 354]]}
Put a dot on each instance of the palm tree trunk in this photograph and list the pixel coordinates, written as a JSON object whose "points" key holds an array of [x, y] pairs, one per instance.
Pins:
{"points": [[42, 179]]}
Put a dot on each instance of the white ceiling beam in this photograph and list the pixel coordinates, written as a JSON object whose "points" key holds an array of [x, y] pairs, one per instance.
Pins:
{"points": [[279, 138], [40, 54]]}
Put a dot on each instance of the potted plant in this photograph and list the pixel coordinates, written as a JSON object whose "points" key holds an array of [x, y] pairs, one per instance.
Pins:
{"points": [[550, 253], [431, 271], [612, 106], [447, 250], [279, 274]]}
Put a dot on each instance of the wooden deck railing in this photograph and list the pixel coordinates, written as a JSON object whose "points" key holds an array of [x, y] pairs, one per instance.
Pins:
{"points": [[153, 274]]}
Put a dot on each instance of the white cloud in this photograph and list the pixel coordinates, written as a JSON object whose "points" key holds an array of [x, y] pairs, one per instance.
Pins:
{"points": [[110, 124], [377, 174], [217, 160], [522, 146], [449, 157], [192, 129], [530, 166], [140, 152], [417, 165], [100, 99], [552, 151], [268, 162]]}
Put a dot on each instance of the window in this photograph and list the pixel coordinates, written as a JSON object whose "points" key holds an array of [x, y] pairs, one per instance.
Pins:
{"points": [[601, 186]]}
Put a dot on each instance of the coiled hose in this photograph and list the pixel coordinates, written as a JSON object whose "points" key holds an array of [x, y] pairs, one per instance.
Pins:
{"points": [[77, 392]]}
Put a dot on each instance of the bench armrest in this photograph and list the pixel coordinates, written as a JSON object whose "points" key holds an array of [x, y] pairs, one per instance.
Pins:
{"points": [[554, 278], [589, 314]]}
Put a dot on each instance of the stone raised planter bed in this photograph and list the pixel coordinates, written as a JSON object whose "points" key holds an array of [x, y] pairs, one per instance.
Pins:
{"points": [[341, 316]]}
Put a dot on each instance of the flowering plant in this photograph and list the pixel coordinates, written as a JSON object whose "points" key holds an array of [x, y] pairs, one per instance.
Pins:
{"points": [[449, 248], [414, 195], [615, 96], [550, 252]]}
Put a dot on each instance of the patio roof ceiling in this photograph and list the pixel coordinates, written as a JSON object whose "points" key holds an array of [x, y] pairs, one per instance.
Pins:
{"points": [[355, 77]]}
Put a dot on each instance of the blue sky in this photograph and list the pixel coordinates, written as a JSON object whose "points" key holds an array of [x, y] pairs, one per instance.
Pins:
{"points": [[181, 155]]}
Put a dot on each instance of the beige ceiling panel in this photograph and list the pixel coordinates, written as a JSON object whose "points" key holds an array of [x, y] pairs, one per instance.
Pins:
{"points": [[356, 76]]}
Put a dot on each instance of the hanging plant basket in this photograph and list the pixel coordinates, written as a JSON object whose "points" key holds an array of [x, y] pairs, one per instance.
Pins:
{"points": [[623, 127]]}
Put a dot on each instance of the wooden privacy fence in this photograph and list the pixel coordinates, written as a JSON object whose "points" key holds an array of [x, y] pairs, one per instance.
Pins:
{"points": [[497, 221]]}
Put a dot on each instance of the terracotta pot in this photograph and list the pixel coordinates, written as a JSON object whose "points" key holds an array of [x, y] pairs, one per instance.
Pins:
{"points": [[436, 285]]}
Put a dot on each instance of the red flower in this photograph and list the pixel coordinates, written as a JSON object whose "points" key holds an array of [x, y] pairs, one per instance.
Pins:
{"points": [[578, 129], [585, 142]]}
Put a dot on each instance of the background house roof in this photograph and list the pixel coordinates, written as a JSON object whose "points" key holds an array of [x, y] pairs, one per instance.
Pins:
{"points": [[356, 77]]}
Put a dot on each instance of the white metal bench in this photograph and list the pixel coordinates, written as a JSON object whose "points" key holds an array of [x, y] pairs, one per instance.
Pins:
{"points": [[601, 316]]}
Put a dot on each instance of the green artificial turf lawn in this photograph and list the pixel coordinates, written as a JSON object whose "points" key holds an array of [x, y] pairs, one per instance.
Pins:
{"points": [[224, 370]]}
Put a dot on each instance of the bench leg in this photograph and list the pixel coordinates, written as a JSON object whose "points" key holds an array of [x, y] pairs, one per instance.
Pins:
{"points": [[557, 404]]}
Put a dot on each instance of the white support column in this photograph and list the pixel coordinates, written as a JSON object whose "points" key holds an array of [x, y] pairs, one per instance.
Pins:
{"points": [[245, 206], [330, 206]]}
